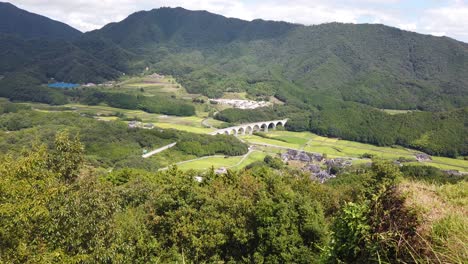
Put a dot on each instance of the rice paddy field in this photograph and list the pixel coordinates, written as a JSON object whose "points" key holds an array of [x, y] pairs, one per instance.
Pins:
{"points": [[343, 148], [272, 142]]}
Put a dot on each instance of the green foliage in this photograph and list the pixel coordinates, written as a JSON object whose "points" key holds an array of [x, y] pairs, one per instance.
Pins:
{"points": [[8, 107], [67, 157], [201, 145], [430, 174], [273, 162], [256, 215], [361, 63], [22, 87], [107, 144], [135, 216], [380, 228], [441, 133], [154, 104], [313, 69]]}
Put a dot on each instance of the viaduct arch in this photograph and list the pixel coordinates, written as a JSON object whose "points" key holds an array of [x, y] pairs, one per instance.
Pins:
{"points": [[249, 128]]}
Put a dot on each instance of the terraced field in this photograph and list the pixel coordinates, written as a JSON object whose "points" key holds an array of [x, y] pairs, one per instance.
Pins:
{"points": [[343, 148], [272, 142]]}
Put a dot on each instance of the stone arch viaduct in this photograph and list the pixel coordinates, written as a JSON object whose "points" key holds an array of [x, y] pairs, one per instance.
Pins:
{"points": [[249, 128]]}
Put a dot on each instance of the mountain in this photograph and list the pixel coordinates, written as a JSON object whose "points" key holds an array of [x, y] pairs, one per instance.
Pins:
{"points": [[210, 54], [35, 49], [15, 21], [26, 64], [185, 28], [372, 64]]}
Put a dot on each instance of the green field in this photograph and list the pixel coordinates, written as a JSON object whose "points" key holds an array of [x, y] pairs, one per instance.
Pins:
{"points": [[150, 86], [343, 148], [396, 112], [206, 163], [226, 162]]}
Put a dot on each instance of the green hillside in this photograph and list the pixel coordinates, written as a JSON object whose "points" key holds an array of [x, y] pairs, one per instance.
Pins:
{"points": [[332, 77], [15, 21], [372, 64]]}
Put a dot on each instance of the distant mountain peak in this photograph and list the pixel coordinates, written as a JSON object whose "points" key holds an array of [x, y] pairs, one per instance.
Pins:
{"points": [[19, 22]]}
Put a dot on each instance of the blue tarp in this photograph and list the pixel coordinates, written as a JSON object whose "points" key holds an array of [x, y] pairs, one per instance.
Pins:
{"points": [[63, 85]]}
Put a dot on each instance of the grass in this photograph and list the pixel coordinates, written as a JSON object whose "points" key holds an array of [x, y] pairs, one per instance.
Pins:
{"points": [[260, 140], [187, 128], [149, 86], [204, 164], [396, 112], [253, 157], [334, 147], [226, 162], [241, 96], [444, 209], [169, 156], [215, 123], [185, 123]]}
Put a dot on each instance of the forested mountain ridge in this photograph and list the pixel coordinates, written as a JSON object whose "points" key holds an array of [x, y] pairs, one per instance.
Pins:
{"points": [[15, 21], [185, 28], [26, 64], [372, 64], [376, 65]]}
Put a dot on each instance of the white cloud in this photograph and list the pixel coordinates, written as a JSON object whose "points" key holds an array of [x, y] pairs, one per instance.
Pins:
{"points": [[445, 18], [450, 20]]}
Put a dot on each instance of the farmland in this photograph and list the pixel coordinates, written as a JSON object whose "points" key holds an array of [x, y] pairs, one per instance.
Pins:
{"points": [[277, 141], [202, 122]]}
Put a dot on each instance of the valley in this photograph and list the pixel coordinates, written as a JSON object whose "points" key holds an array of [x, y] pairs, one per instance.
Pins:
{"points": [[272, 143], [184, 136]]}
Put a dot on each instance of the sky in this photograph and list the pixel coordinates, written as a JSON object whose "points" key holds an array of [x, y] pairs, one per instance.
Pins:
{"points": [[435, 17]]}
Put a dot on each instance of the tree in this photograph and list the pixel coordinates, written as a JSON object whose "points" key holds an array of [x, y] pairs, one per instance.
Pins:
{"points": [[67, 157]]}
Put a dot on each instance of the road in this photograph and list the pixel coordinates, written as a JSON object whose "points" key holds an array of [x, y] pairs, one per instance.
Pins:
{"points": [[206, 124], [243, 158], [149, 154]]}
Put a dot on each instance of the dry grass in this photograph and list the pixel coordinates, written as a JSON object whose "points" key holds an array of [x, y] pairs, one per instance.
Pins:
{"points": [[444, 211]]}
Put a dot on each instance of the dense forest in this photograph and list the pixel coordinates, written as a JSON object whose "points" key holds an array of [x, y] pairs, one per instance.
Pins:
{"points": [[440, 133], [54, 210], [371, 64], [155, 104]]}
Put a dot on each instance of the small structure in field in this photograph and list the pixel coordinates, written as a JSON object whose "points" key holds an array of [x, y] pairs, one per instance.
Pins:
{"points": [[221, 170], [156, 76], [423, 157], [134, 124]]}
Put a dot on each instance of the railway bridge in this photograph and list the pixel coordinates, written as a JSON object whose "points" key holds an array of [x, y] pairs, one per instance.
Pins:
{"points": [[249, 128]]}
